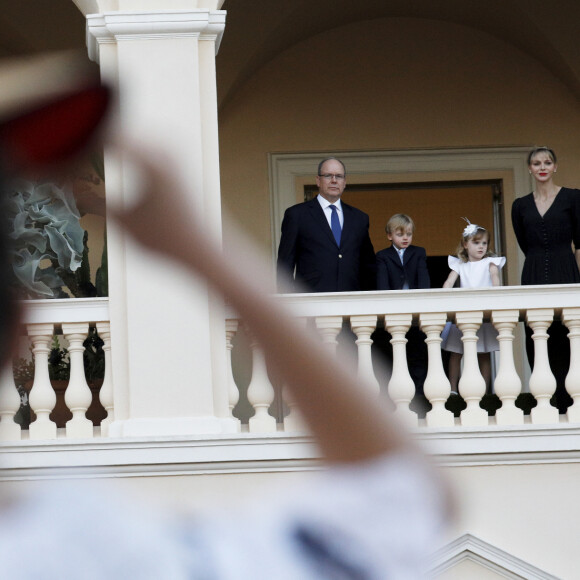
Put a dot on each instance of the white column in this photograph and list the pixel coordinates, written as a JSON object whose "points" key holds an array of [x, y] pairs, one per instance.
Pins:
{"points": [[42, 396], [542, 380], [260, 392], [77, 396], [401, 387], [471, 383], [363, 327], [507, 383], [571, 318], [167, 330], [329, 328], [436, 387], [106, 394], [9, 405], [233, 391]]}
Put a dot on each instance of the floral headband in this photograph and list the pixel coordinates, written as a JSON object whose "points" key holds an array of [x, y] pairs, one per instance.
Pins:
{"points": [[470, 229]]}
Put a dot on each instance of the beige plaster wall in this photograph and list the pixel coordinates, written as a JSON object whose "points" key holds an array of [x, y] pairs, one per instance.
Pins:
{"points": [[530, 511], [392, 83]]}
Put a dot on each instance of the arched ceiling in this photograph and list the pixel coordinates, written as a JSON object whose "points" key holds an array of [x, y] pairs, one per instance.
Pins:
{"points": [[29, 26], [258, 30]]}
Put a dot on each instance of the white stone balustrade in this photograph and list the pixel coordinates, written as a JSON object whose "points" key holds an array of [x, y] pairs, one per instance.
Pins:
{"points": [[507, 308], [106, 395], [471, 383], [293, 421], [78, 396], [363, 327], [42, 396], [542, 381], [260, 392], [329, 328], [9, 405], [401, 386], [43, 320], [571, 318], [233, 392], [436, 387], [507, 383]]}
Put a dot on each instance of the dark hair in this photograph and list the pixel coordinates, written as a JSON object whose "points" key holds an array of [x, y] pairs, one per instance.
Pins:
{"points": [[329, 159], [542, 149]]}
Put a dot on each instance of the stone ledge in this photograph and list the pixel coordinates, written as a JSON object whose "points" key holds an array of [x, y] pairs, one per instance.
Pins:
{"points": [[276, 452]]}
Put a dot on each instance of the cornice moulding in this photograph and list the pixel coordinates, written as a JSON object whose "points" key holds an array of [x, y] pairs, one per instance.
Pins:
{"points": [[112, 27], [489, 557]]}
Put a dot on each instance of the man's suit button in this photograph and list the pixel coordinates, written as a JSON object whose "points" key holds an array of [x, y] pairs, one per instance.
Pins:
{"points": [[340, 255]]}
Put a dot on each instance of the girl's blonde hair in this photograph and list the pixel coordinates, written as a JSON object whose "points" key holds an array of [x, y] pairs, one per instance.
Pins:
{"points": [[472, 232]]}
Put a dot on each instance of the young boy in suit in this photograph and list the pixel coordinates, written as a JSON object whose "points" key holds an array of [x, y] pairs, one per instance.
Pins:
{"points": [[404, 267]]}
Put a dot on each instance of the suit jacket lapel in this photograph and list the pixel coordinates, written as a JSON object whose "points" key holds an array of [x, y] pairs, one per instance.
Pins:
{"points": [[348, 225], [408, 256], [320, 219], [394, 256]]}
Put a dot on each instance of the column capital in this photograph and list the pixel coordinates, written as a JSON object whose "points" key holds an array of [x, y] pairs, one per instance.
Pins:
{"points": [[111, 27], [100, 6]]}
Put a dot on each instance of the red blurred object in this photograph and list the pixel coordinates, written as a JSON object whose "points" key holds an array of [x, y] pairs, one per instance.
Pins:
{"points": [[56, 131]]}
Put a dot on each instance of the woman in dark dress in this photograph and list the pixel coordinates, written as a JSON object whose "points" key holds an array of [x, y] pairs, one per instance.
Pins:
{"points": [[546, 223]]}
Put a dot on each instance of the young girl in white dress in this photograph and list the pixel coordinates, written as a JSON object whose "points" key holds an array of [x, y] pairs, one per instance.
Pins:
{"points": [[476, 267]]}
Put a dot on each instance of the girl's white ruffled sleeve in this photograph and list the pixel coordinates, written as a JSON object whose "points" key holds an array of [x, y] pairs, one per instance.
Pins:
{"points": [[454, 263], [499, 261]]}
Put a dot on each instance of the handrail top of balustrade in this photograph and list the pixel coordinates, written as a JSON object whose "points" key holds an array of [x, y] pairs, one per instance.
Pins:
{"points": [[449, 300], [66, 310]]}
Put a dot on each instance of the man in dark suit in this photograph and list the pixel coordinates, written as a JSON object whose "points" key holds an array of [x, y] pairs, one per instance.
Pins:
{"points": [[326, 242]]}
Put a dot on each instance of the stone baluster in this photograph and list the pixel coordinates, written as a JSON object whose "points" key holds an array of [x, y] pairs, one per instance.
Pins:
{"points": [[363, 327], [507, 383], [78, 396], [471, 383], [9, 405], [293, 421], [436, 387], [42, 397], [571, 318], [329, 328], [233, 391], [542, 380], [106, 394], [260, 392], [401, 387]]}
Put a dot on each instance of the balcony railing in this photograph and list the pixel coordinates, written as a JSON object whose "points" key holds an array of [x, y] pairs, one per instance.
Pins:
{"points": [[71, 320], [507, 308]]}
